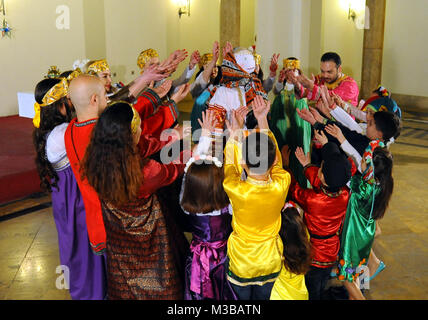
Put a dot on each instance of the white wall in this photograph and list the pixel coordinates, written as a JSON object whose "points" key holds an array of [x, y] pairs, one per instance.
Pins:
{"points": [[36, 45], [131, 27], [405, 62], [282, 27]]}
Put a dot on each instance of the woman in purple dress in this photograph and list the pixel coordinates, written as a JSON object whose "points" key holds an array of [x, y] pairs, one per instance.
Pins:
{"points": [[87, 275], [209, 214]]}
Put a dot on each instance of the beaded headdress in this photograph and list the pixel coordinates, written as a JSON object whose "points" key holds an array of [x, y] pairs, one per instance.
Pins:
{"points": [[53, 73], [98, 67], [145, 57], [291, 64]]}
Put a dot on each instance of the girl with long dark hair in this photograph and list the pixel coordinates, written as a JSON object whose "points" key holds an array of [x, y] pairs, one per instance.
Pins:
{"points": [[209, 216], [140, 246], [53, 112], [371, 190], [290, 284]]}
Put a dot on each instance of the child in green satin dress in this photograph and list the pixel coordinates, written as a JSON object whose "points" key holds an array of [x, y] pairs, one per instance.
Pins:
{"points": [[370, 194]]}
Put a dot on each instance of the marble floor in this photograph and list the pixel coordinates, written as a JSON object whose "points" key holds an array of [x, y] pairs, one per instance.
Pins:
{"points": [[29, 247]]}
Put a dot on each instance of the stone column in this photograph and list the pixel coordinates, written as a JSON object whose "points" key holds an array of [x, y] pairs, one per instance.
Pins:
{"points": [[371, 75], [230, 22]]}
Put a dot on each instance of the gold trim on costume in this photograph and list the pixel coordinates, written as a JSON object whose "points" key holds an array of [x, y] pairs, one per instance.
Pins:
{"points": [[334, 85], [251, 283], [58, 91], [98, 67], [258, 58], [145, 57], [291, 64], [259, 182]]}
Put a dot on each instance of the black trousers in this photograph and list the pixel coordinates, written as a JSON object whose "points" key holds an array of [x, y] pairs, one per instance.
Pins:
{"points": [[316, 280], [253, 292]]}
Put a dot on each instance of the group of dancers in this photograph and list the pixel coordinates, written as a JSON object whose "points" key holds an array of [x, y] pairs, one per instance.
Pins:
{"points": [[279, 198]]}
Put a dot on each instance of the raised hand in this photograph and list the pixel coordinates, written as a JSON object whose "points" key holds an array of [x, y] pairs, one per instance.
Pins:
{"points": [[320, 137], [322, 106], [194, 59], [291, 77], [316, 115], [335, 131], [181, 93], [153, 73], [306, 82], [325, 95], [227, 48], [338, 100], [163, 89], [274, 65], [174, 59], [208, 123], [261, 109], [216, 51], [303, 158], [306, 115], [242, 111], [235, 125]]}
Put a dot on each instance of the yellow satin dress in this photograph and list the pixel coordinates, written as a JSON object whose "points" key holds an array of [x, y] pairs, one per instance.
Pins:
{"points": [[254, 247], [289, 286]]}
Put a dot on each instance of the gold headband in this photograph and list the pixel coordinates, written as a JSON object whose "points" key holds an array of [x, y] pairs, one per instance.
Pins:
{"points": [[291, 64], [135, 115], [145, 57], [98, 67], [74, 74], [258, 58], [57, 92], [206, 58]]}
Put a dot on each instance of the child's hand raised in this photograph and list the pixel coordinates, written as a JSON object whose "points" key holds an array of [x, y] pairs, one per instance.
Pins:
{"points": [[306, 115], [236, 123], [320, 137], [208, 123], [303, 158], [335, 131], [316, 115]]}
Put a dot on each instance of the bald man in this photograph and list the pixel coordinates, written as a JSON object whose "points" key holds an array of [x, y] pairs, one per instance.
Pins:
{"points": [[88, 95]]}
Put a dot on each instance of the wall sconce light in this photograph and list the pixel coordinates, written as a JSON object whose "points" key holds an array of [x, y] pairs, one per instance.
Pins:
{"points": [[184, 7], [351, 13], [358, 13]]}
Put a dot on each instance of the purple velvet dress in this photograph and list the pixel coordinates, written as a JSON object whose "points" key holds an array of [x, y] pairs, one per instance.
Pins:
{"points": [[87, 271], [205, 267]]}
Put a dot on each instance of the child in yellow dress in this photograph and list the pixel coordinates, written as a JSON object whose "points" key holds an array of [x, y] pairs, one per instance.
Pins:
{"points": [[254, 247], [290, 285]]}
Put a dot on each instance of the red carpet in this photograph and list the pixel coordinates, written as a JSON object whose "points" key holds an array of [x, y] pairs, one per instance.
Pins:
{"points": [[18, 174]]}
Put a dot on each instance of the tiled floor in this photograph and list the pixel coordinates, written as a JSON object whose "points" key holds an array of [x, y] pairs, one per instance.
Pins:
{"points": [[29, 248]]}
